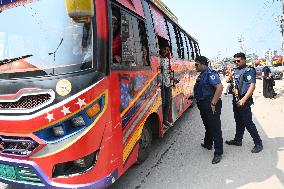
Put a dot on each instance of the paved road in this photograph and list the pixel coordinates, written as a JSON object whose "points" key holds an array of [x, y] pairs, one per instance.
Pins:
{"points": [[178, 161]]}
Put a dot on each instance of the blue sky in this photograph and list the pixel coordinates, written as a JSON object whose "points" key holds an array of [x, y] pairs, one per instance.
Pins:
{"points": [[218, 24]]}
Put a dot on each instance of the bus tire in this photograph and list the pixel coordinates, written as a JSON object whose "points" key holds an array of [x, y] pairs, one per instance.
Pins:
{"points": [[144, 145]]}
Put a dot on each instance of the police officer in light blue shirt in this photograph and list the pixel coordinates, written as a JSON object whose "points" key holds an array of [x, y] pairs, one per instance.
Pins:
{"points": [[207, 92], [244, 79]]}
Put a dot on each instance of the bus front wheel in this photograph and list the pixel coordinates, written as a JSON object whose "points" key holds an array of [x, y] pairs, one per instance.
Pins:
{"points": [[144, 145]]}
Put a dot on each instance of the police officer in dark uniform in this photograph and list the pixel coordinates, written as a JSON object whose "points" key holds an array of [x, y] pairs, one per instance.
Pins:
{"points": [[244, 79], [207, 91]]}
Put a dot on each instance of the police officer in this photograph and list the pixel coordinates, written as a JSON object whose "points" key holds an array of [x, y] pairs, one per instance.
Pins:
{"points": [[207, 91], [244, 79]]}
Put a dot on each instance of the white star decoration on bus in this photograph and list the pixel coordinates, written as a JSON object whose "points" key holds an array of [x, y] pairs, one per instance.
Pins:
{"points": [[65, 110], [81, 102], [50, 117]]}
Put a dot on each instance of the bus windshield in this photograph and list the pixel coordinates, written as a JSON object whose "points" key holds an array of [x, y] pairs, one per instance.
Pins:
{"points": [[39, 38]]}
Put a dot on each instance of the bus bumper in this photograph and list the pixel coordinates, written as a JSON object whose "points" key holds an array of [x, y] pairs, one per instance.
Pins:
{"points": [[27, 174]]}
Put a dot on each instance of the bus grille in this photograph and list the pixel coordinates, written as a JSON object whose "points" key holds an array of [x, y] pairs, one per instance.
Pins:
{"points": [[19, 174], [26, 102], [19, 146]]}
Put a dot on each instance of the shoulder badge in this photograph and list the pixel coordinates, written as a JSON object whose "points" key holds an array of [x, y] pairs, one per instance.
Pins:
{"points": [[249, 77], [213, 77]]}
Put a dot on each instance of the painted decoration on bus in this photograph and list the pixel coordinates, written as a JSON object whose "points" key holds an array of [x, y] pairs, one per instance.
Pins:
{"points": [[129, 87], [7, 4]]}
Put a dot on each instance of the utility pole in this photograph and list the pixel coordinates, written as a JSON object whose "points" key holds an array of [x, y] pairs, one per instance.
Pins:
{"points": [[241, 41]]}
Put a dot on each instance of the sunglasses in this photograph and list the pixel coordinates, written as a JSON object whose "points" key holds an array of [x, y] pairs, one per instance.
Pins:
{"points": [[196, 65], [237, 61]]}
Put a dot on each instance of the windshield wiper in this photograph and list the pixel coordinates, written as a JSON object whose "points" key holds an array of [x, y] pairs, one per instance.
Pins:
{"points": [[7, 61], [53, 53]]}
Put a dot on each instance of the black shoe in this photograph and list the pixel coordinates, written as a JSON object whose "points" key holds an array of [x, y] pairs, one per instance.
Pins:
{"points": [[233, 142], [216, 159], [206, 147], [257, 148]]}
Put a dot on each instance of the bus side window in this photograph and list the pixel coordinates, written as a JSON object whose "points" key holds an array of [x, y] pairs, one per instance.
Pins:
{"points": [[196, 50], [174, 47], [185, 47], [180, 48], [150, 28], [135, 50], [191, 49], [188, 47], [144, 43], [116, 35]]}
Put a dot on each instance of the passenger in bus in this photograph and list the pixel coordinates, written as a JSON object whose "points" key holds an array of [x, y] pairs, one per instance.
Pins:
{"points": [[165, 85], [116, 42], [145, 56], [166, 88], [207, 92]]}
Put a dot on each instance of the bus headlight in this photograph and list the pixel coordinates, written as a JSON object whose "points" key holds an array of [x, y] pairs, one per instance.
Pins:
{"points": [[81, 165], [58, 130], [72, 124], [78, 121]]}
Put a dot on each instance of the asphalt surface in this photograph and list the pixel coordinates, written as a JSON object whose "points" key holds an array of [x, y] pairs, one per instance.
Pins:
{"points": [[178, 162]]}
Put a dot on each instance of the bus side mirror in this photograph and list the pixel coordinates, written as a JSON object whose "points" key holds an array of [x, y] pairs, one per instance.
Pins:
{"points": [[80, 11]]}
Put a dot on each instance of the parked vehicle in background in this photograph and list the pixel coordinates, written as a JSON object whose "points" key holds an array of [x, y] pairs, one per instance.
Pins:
{"points": [[276, 73]]}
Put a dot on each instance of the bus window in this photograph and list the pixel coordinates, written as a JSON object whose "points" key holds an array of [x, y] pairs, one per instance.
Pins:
{"points": [[196, 49], [180, 49], [144, 42], [131, 49], [192, 55], [185, 46], [172, 34], [116, 36], [152, 38]]}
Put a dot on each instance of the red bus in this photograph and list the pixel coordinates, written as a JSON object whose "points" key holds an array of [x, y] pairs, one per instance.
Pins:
{"points": [[69, 116]]}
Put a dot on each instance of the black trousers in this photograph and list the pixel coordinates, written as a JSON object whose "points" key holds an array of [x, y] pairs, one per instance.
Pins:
{"points": [[268, 91], [166, 100], [212, 123], [243, 119]]}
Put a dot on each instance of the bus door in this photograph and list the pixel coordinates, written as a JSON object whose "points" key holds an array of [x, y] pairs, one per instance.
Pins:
{"points": [[132, 79]]}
